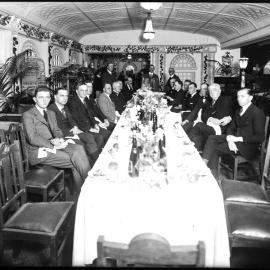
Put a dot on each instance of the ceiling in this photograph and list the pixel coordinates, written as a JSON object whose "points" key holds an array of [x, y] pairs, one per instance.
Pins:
{"points": [[230, 23]]}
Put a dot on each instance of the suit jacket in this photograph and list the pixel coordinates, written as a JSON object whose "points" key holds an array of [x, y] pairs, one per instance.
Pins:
{"points": [[127, 92], [250, 126], [92, 105], [65, 124], [118, 101], [221, 108], [107, 106], [201, 104], [154, 81], [38, 132], [80, 114], [191, 102], [178, 100], [106, 77], [168, 90]]}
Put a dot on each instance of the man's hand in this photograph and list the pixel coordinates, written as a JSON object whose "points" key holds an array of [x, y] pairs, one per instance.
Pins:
{"points": [[213, 120], [57, 141], [232, 146], [169, 98], [117, 114], [225, 120], [231, 138], [75, 130], [184, 122], [106, 122], [97, 127]]}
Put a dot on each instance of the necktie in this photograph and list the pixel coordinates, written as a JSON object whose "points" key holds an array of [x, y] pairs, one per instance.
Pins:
{"points": [[64, 113], [85, 103], [45, 115], [241, 111]]}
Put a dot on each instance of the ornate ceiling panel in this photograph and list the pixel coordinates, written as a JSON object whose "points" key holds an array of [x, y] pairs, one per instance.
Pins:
{"points": [[227, 22]]}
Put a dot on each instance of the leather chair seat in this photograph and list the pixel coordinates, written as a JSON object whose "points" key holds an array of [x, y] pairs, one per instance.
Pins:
{"points": [[241, 191], [249, 220], [42, 217], [40, 176]]}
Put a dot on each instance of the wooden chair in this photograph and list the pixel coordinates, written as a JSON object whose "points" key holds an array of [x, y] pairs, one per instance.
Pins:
{"points": [[48, 223], [239, 161], [45, 181], [240, 191], [148, 249]]}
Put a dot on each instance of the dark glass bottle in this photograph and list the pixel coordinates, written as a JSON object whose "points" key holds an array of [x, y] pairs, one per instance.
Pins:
{"points": [[154, 121], [161, 146], [133, 167]]}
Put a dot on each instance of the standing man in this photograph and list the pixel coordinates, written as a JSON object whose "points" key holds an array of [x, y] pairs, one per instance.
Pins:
{"points": [[244, 135], [108, 76], [69, 127], [153, 79], [168, 86], [106, 105], [45, 143]]}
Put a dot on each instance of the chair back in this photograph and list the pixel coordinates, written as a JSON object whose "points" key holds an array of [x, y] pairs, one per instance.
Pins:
{"points": [[16, 132], [149, 249], [12, 188], [266, 167]]}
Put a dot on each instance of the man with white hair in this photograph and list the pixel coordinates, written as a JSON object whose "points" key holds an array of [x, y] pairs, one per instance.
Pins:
{"points": [[117, 97], [215, 117]]}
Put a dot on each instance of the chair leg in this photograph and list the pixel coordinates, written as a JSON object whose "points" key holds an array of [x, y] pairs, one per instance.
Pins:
{"points": [[235, 169], [53, 252]]}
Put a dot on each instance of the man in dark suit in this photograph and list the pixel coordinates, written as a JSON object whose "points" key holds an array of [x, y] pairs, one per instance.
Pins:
{"points": [[168, 86], [214, 118], [117, 97], [95, 110], [128, 89], [69, 126], [191, 100], [108, 76], [80, 113], [152, 78], [45, 141], [179, 97], [244, 134]]}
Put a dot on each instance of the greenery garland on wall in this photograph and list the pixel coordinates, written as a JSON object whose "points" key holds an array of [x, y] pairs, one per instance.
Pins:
{"points": [[38, 33], [143, 49]]}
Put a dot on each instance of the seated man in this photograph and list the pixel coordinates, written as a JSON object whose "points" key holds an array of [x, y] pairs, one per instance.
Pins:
{"points": [[128, 89], [68, 126], [214, 118], [80, 113], [106, 105], [117, 97], [171, 92], [179, 98], [93, 106], [45, 141], [169, 85], [244, 134], [191, 100]]}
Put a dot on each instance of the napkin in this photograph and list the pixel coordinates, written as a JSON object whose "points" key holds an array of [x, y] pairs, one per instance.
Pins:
{"points": [[42, 151]]}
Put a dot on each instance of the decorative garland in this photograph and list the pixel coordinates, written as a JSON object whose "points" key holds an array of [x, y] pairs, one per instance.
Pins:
{"points": [[15, 45], [143, 49], [50, 58], [38, 33], [205, 69], [161, 70]]}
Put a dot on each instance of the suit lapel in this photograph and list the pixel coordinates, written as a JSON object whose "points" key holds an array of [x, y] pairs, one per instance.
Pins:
{"points": [[39, 116]]}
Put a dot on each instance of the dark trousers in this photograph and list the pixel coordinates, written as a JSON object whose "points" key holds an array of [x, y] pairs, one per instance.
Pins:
{"points": [[74, 157], [199, 134], [187, 127], [215, 146]]}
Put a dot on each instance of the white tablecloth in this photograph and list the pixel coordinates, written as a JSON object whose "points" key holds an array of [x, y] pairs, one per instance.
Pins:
{"points": [[187, 209]]}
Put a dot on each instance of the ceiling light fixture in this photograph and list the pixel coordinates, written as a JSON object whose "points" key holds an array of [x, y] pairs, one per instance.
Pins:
{"points": [[148, 31]]}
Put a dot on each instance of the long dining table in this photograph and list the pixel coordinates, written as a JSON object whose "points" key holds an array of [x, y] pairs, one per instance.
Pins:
{"points": [[184, 204]]}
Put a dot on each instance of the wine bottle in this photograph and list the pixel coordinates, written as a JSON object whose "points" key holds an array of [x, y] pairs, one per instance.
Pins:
{"points": [[133, 167], [161, 146]]}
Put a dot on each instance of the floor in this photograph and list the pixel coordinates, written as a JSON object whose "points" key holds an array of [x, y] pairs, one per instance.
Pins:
{"points": [[36, 255]]}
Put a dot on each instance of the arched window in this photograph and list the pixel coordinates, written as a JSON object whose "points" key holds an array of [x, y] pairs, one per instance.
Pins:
{"points": [[29, 45], [266, 69], [184, 66], [57, 58]]}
